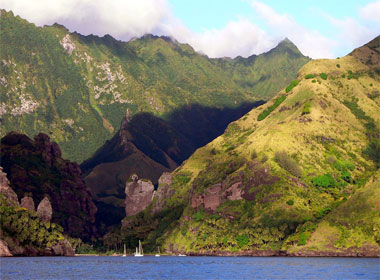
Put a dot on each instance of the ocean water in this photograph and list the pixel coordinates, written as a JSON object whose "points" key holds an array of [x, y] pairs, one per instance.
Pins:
{"points": [[165, 267]]}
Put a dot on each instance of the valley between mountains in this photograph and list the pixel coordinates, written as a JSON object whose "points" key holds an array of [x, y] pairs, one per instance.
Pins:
{"points": [[105, 143]]}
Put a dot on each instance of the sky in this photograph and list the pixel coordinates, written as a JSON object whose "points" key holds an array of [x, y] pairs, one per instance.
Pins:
{"points": [[218, 28]]}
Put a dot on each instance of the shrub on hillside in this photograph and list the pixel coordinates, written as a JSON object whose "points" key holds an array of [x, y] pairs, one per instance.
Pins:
{"points": [[310, 76], [346, 176], [324, 181], [323, 76], [291, 85], [271, 108], [289, 164], [306, 109], [290, 202]]}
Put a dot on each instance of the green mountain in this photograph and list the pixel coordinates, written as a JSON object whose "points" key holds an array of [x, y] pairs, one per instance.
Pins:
{"points": [[78, 88], [297, 176]]}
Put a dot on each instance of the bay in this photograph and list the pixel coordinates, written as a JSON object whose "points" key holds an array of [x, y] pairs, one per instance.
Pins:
{"points": [[170, 267]]}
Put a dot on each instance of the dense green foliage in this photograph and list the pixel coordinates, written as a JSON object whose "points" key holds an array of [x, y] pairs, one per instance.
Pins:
{"points": [[271, 108], [27, 228], [324, 181]]}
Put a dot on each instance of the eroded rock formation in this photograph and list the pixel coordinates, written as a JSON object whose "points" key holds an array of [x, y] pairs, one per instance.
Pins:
{"points": [[28, 203], [139, 194], [44, 210]]}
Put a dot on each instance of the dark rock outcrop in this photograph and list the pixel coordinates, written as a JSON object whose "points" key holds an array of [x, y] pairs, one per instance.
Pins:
{"points": [[28, 203], [44, 210], [6, 190], [139, 194], [63, 248], [35, 168]]}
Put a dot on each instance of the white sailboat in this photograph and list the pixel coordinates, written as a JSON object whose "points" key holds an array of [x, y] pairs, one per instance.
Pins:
{"points": [[125, 251], [158, 254], [139, 251]]}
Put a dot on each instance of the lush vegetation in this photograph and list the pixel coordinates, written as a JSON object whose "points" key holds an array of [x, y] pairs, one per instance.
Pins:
{"points": [[324, 181], [26, 227]]}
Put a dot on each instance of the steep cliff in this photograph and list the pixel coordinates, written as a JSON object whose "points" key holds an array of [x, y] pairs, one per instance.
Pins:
{"points": [[36, 169]]}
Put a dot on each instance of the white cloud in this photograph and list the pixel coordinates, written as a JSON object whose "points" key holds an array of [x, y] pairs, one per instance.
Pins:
{"points": [[351, 33], [371, 11], [310, 42], [240, 37], [122, 19]]}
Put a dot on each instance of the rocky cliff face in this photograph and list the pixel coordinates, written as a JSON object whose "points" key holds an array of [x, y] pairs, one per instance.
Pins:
{"points": [[139, 194], [35, 169], [164, 191], [6, 190], [4, 250]]}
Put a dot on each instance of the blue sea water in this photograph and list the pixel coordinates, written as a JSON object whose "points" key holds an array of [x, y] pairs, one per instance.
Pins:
{"points": [[166, 267]]}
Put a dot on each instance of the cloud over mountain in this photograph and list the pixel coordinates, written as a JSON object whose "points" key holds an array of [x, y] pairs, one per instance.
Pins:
{"points": [[125, 19]]}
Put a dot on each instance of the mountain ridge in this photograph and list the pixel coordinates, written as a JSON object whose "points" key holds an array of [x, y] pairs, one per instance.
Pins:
{"points": [[100, 78]]}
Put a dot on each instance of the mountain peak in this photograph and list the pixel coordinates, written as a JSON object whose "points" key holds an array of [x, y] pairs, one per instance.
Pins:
{"points": [[369, 53], [287, 46]]}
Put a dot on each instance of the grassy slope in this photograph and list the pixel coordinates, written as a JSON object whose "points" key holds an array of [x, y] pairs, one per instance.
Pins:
{"points": [[83, 96], [329, 140], [353, 224]]}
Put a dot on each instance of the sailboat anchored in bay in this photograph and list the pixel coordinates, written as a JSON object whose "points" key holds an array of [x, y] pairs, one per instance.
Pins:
{"points": [[139, 251], [125, 251]]}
